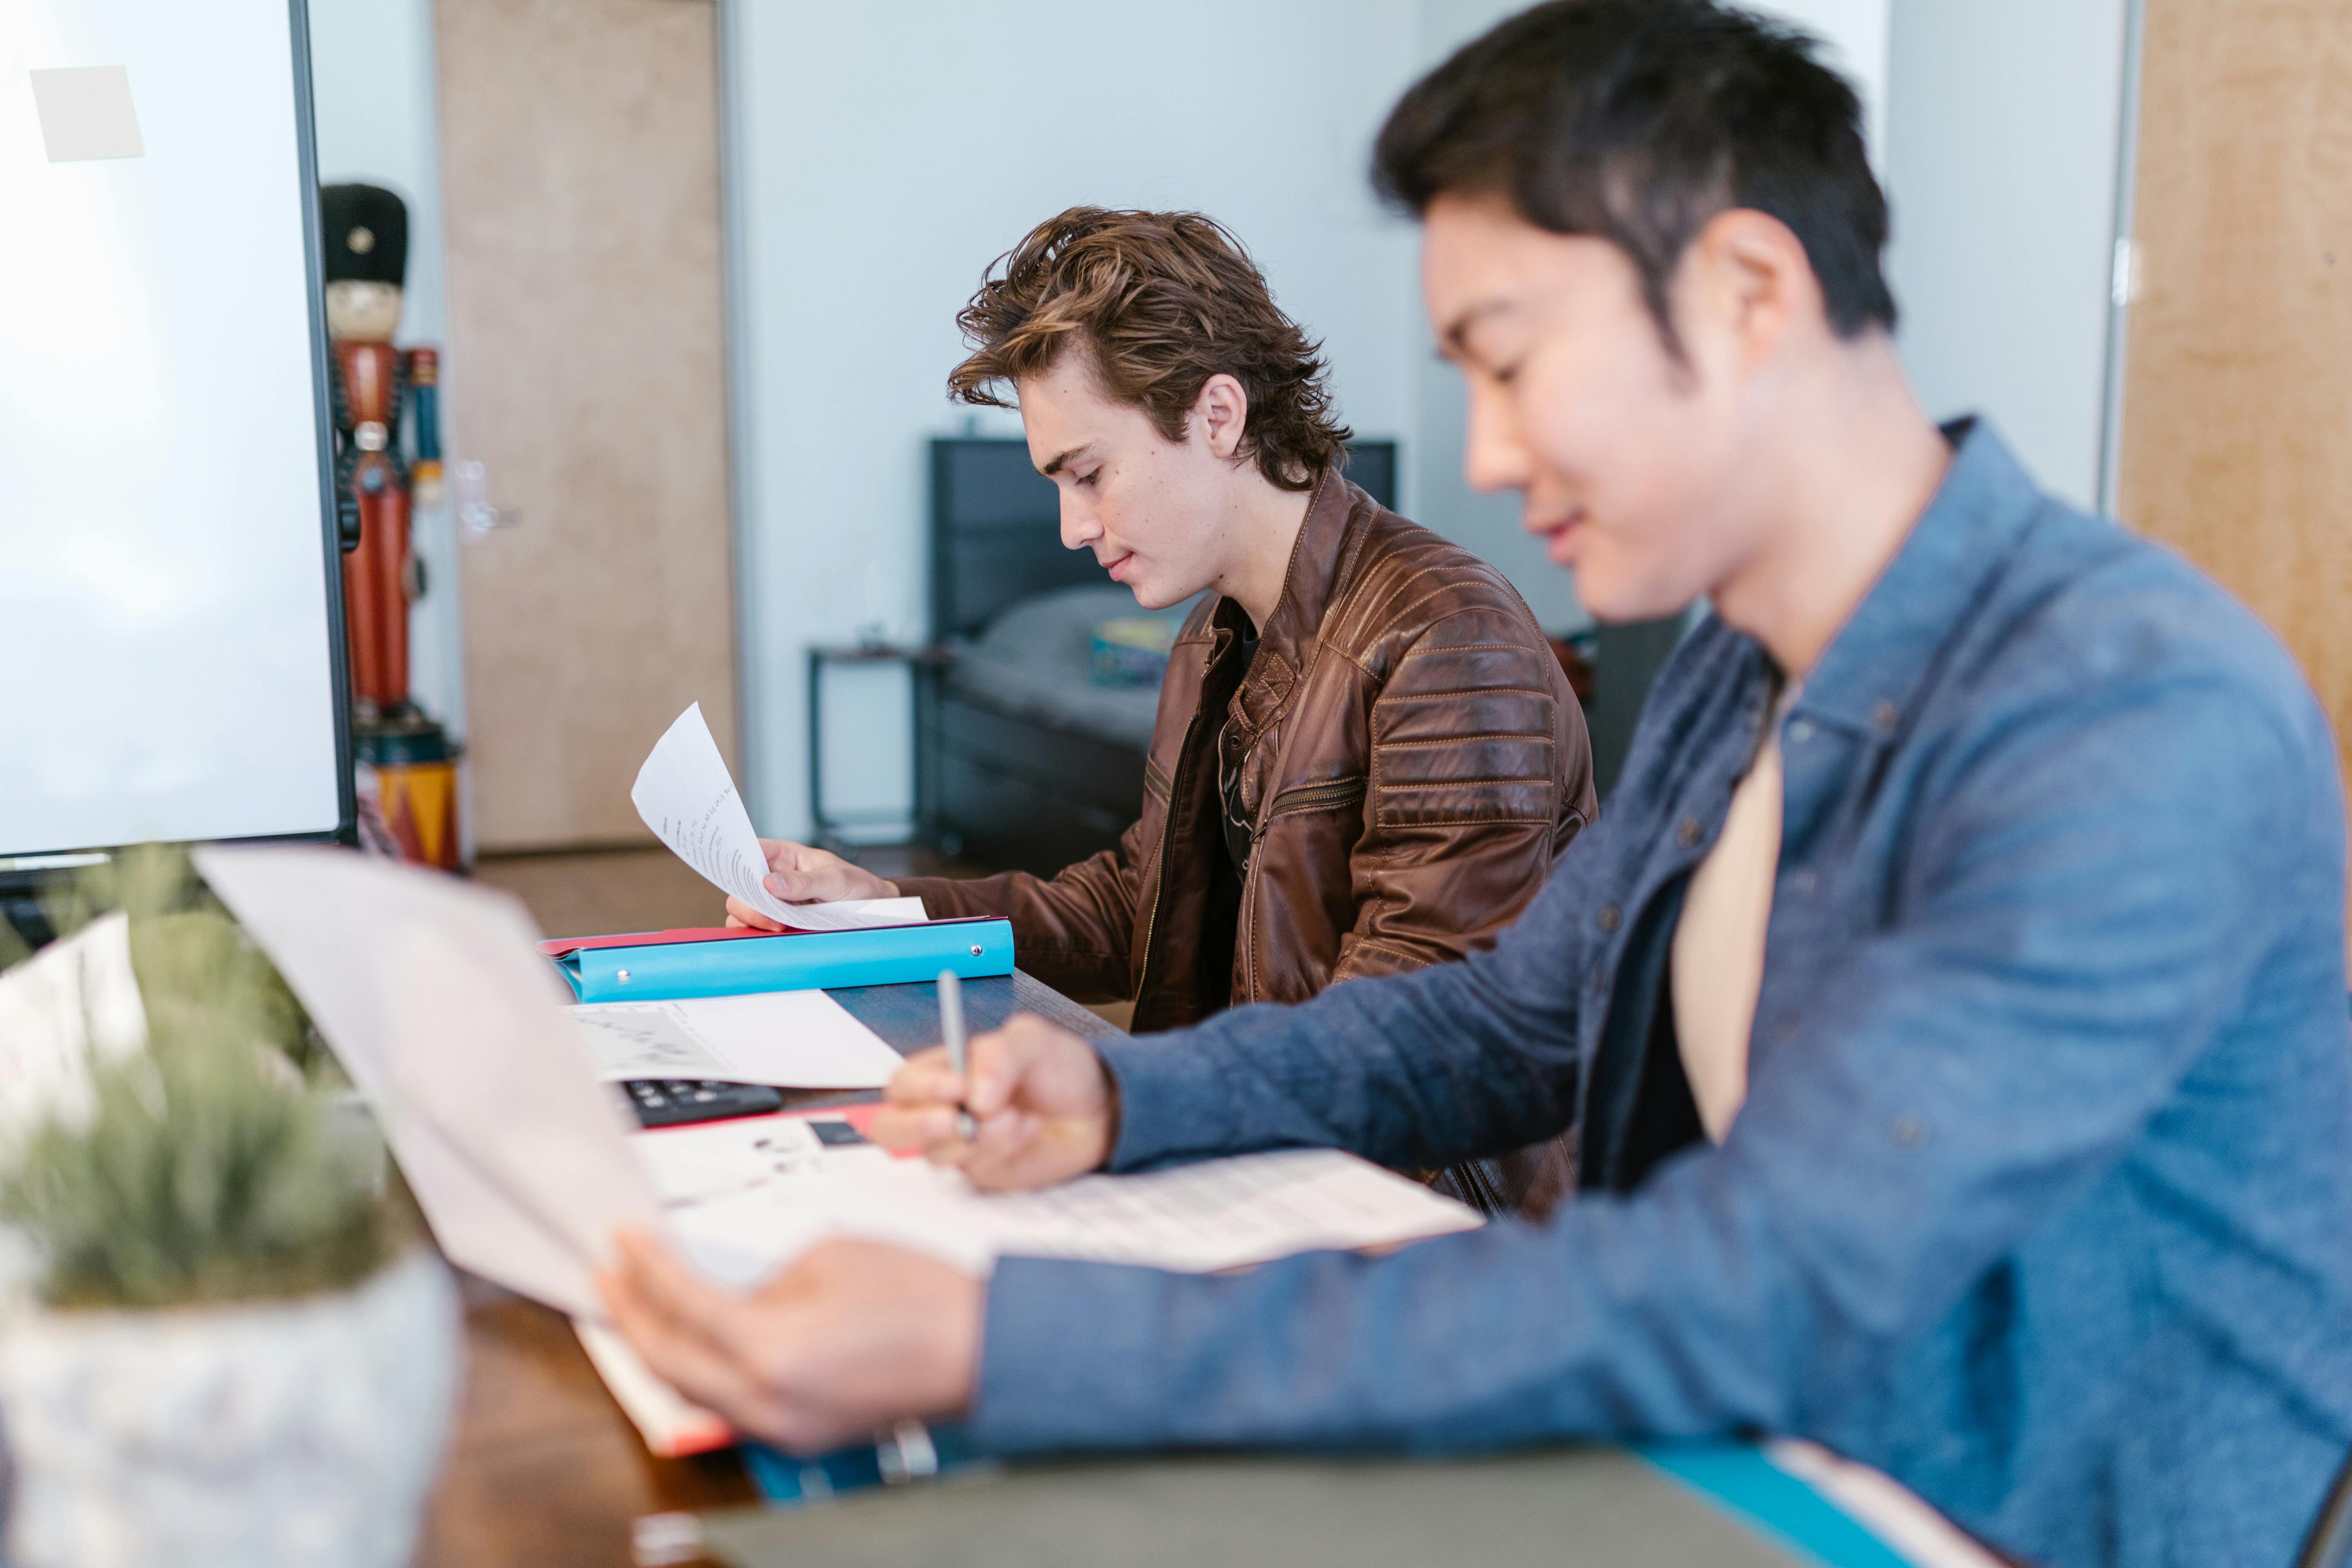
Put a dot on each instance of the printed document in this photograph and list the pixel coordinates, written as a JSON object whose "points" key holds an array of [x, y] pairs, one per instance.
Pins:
{"points": [[1220, 1214], [687, 796], [792, 1039]]}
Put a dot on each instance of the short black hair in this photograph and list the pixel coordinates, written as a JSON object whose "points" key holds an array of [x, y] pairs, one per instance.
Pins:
{"points": [[1638, 121]]}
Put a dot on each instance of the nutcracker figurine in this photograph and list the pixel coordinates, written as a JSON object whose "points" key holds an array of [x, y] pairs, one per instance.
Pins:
{"points": [[407, 769]]}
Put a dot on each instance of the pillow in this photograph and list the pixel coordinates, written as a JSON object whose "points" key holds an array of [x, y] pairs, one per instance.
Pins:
{"points": [[1133, 650]]}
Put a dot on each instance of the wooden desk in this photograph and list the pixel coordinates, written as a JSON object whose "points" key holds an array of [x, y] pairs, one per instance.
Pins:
{"points": [[542, 1468]]}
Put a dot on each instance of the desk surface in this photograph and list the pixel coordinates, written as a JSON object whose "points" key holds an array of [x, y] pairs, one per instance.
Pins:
{"points": [[542, 1468]]}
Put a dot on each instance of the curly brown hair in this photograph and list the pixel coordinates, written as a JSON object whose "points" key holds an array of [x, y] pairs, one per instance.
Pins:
{"points": [[1162, 301]]}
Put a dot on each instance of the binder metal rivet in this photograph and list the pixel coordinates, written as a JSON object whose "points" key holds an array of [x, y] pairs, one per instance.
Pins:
{"points": [[975, 951], [622, 976]]}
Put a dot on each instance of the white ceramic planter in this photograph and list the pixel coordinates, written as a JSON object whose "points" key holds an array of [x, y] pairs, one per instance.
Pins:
{"points": [[265, 1436]]}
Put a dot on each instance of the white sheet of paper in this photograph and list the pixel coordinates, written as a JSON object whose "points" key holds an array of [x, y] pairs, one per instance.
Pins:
{"points": [[792, 1039], [645, 1039], [687, 796], [724, 1159], [74, 1002], [432, 996], [1221, 1214]]}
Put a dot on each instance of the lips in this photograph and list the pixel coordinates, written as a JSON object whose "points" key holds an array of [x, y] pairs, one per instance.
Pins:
{"points": [[1117, 566], [1557, 533]]}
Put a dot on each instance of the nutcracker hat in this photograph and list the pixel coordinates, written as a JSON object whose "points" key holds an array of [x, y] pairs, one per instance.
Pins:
{"points": [[365, 230]]}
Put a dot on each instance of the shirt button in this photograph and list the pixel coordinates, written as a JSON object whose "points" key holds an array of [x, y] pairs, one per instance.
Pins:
{"points": [[1786, 1029], [1908, 1131], [1609, 918], [1803, 881], [1884, 716], [1688, 833], [1800, 730]]}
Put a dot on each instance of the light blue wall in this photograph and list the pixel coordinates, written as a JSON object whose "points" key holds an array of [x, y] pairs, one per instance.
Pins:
{"points": [[372, 75], [882, 155], [2000, 158]]}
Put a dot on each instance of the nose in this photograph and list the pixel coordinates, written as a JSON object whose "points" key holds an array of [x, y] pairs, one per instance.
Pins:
{"points": [[1080, 527], [1495, 447]]}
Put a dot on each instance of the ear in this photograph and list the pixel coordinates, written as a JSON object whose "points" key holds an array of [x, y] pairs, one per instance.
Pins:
{"points": [[1220, 414], [1748, 286]]}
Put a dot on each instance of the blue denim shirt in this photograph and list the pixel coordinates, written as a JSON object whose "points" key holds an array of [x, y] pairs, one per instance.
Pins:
{"points": [[2042, 1196]]}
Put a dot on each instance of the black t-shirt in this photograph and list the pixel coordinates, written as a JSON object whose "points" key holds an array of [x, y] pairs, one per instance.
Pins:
{"points": [[1229, 780], [1221, 920]]}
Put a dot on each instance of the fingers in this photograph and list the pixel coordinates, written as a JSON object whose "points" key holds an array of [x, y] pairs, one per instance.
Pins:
{"points": [[679, 1359], [925, 1080], [744, 917], [849, 1338], [667, 1288], [928, 1130], [1005, 1153], [794, 887], [999, 1058], [676, 1323], [800, 874]]}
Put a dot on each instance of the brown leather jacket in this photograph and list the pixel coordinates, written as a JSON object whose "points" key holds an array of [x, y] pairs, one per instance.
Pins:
{"points": [[1410, 761]]}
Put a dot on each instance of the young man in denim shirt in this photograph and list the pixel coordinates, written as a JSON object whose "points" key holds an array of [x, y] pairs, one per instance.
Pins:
{"points": [[1949, 1004]]}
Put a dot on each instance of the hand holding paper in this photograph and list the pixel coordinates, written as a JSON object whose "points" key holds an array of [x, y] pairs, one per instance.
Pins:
{"points": [[687, 796]]}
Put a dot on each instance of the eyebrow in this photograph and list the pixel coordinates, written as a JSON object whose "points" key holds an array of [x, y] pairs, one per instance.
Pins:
{"points": [[1455, 339], [1050, 470]]}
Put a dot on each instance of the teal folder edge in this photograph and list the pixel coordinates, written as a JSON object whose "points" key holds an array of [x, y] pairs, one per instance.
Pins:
{"points": [[829, 960], [787, 1482], [1739, 1479], [1736, 1477]]}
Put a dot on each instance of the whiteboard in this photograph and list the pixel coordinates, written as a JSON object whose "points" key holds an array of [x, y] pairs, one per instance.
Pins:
{"points": [[170, 621]]}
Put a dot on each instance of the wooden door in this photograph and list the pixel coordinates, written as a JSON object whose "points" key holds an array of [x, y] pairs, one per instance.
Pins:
{"points": [[2237, 411], [587, 369]]}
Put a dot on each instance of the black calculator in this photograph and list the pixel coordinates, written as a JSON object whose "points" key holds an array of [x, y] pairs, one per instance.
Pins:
{"points": [[676, 1102]]}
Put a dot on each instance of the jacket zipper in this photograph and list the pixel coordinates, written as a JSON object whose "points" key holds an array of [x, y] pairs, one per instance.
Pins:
{"points": [[1304, 798], [1159, 874]]}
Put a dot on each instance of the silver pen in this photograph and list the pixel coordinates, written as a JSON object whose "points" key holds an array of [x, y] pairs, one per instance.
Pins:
{"points": [[952, 1031]]}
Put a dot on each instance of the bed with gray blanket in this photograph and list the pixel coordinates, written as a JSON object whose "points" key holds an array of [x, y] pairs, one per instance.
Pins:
{"points": [[1026, 760]]}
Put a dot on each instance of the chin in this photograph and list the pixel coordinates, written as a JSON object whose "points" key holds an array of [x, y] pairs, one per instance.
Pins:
{"points": [[1616, 599], [1151, 596]]}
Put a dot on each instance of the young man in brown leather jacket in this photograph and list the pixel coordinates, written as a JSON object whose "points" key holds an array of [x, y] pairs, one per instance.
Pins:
{"points": [[1366, 757]]}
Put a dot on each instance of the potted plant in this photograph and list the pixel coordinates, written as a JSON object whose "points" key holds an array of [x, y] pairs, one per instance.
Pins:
{"points": [[225, 1343]]}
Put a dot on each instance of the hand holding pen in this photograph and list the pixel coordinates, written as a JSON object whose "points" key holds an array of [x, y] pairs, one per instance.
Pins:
{"points": [[1027, 1105]]}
